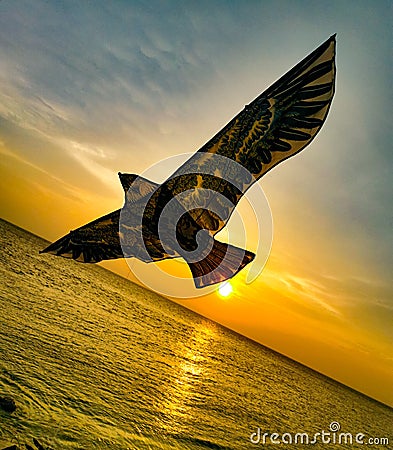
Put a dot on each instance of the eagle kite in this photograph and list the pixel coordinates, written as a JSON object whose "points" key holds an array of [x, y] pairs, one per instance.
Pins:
{"points": [[180, 217]]}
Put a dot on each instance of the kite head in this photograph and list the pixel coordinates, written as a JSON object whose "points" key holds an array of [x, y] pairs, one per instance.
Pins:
{"points": [[126, 180], [136, 187]]}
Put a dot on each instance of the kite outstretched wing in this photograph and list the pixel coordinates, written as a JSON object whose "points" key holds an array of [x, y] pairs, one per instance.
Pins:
{"points": [[91, 243], [278, 124], [100, 239]]}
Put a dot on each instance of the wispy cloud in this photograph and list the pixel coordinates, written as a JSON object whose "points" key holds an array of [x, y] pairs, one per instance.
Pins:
{"points": [[309, 295]]}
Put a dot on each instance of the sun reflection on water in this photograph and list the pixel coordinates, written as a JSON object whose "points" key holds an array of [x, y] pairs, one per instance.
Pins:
{"points": [[188, 384]]}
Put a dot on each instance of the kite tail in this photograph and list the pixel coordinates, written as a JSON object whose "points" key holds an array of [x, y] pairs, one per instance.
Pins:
{"points": [[223, 262]]}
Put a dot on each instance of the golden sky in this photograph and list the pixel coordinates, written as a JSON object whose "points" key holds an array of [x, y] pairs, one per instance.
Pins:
{"points": [[88, 91]]}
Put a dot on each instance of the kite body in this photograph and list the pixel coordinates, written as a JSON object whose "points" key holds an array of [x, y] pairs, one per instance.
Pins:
{"points": [[180, 217]]}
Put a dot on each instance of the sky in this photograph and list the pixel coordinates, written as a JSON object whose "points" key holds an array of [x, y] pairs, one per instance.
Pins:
{"points": [[88, 89]]}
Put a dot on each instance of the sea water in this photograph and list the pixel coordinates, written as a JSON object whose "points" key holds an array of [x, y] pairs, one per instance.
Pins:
{"points": [[94, 361]]}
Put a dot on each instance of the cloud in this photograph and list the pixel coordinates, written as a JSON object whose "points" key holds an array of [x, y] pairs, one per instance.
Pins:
{"points": [[54, 159], [107, 78], [311, 296]]}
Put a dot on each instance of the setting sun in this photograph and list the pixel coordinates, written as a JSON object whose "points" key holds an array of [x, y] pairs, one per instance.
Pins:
{"points": [[225, 289]]}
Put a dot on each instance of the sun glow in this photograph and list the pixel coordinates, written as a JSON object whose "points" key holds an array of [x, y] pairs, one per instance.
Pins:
{"points": [[225, 289]]}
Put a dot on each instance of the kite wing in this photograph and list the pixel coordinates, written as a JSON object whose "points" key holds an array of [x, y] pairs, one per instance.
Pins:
{"points": [[278, 124], [100, 239], [91, 243]]}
